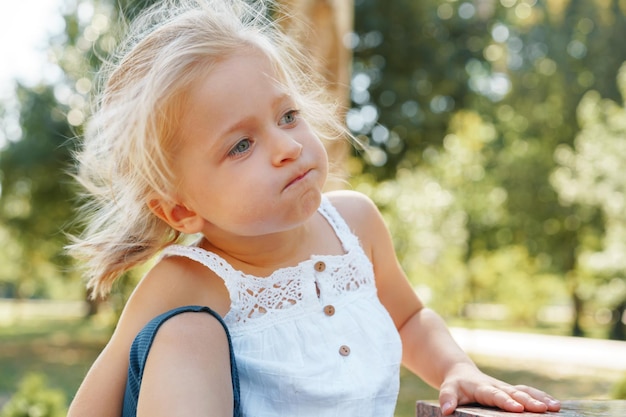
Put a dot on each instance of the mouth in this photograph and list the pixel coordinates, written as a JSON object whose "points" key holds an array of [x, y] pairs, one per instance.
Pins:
{"points": [[297, 179]]}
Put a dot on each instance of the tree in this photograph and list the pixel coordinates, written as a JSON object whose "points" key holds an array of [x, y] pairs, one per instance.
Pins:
{"points": [[36, 195], [590, 175], [522, 67]]}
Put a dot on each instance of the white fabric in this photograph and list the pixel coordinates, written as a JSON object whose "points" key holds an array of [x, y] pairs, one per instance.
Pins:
{"points": [[288, 350]]}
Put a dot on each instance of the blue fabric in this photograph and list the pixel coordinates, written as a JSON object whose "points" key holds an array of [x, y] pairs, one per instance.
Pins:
{"points": [[139, 354]]}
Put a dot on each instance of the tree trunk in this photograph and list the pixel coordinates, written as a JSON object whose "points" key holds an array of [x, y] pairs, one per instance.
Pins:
{"points": [[618, 328], [321, 27], [579, 306]]}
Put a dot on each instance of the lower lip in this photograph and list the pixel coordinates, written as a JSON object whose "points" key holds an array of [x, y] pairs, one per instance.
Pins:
{"points": [[297, 180]]}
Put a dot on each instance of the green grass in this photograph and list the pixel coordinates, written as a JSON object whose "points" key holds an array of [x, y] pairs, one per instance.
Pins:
{"points": [[64, 350], [61, 350]]}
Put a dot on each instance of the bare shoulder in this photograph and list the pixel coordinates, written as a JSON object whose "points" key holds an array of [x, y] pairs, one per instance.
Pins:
{"points": [[361, 215], [354, 207], [173, 282]]}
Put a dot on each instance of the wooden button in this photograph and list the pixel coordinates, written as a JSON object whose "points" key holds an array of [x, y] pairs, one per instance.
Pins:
{"points": [[329, 310], [344, 350], [320, 266]]}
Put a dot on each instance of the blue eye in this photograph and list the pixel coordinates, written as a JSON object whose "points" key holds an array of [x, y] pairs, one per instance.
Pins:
{"points": [[241, 147], [289, 117]]}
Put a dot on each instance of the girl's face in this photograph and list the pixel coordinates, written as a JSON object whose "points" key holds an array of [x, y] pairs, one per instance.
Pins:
{"points": [[248, 163]]}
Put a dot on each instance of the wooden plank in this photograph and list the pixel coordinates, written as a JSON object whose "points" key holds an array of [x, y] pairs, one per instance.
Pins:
{"points": [[586, 408]]}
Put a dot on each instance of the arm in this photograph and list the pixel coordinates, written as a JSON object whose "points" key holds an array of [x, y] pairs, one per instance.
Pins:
{"points": [[188, 370], [102, 391], [430, 352], [428, 348]]}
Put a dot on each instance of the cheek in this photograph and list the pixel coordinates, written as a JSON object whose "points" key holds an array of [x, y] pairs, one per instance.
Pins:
{"points": [[322, 153], [319, 148], [199, 189]]}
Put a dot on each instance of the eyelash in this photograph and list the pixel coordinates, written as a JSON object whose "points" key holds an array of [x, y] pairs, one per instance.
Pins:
{"points": [[293, 113], [235, 151]]}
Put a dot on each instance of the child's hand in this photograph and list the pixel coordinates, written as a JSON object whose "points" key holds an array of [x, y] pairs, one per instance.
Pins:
{"points": [[466, 385]]}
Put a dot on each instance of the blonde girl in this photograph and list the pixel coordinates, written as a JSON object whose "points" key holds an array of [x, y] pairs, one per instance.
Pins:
{"points": [[290, 302]]}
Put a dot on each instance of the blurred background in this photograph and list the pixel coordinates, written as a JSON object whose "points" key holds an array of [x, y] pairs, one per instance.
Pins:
{"points": [[496, 133]]}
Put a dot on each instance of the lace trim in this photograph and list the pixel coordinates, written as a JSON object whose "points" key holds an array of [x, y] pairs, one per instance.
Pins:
{"points": [[263, 300]]}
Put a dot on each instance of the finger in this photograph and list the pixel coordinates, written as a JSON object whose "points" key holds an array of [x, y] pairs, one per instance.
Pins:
{"points": [[529, 403], [448, 401], [496, 397], [549, 401], [553, 405]]}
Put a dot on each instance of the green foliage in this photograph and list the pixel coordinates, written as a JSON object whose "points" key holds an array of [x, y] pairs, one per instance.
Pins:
{"points": [[429, 233], [36, 197], [37, 194], [589, 176], [482, 95], [619, 390], [511, 278], [35, 399]]}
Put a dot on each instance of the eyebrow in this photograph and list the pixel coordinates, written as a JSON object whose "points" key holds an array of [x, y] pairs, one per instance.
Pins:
{"points": [[276, 102]]}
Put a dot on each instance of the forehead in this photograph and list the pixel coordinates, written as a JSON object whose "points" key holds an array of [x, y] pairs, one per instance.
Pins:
{"points": [[238, 78], [247, 64], [250, 56], [241, 86]]}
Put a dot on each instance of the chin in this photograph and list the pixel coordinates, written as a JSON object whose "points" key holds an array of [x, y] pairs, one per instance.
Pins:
{"points": [[307, 203], [313, 198]]}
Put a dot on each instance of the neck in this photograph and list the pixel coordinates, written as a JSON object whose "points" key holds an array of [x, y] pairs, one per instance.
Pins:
{"points": [[261, 255]]}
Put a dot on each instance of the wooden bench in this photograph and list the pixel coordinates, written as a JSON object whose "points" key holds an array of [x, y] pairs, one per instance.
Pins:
{"points": [[586, 408]]}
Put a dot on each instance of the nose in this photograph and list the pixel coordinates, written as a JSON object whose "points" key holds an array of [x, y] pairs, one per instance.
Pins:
{"points": [[285, 149]]}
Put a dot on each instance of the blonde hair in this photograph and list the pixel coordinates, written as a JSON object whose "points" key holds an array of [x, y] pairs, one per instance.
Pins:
{"points": [[128, 141]]}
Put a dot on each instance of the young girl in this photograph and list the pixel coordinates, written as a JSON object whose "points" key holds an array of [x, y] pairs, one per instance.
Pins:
{"points": [[209, 124]]}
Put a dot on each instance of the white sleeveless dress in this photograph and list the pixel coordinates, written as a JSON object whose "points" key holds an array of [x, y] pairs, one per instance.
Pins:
{"points": [[313, 339]]}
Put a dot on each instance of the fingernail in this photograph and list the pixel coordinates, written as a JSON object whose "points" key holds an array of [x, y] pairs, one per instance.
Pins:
{"points": [[554, 403], [446, 407]]}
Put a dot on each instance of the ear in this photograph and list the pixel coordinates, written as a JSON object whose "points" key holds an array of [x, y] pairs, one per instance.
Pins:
{"points": [[177, 215]]}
